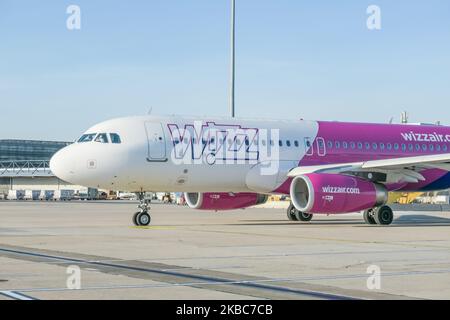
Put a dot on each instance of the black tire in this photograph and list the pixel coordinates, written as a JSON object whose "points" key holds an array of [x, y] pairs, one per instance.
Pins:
{"points": [[368, 217], [384, 216], [143, 219], [303, 216], [135, 221], [291, 213]]}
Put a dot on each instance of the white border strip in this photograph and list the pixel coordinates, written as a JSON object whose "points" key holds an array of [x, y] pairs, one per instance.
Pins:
{"points": [[16, 295]]}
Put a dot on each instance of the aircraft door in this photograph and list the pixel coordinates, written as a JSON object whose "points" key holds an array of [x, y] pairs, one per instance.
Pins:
{"points": [[321, 148], [156, 142]]}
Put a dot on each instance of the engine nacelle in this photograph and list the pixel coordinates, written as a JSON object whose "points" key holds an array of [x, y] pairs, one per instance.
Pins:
{"points": [[223, 201], [335, 193]]}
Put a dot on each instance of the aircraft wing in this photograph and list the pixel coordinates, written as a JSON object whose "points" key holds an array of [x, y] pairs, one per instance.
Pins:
{"points": [[385, 171]]}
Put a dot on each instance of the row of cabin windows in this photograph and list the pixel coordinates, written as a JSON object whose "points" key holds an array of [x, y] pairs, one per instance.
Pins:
{"points": [[339, 145], [386, 146], [246, 141]]}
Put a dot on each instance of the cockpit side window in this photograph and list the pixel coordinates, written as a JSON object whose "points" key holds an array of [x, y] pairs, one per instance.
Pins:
{"points": [[115, 138], [87, 137], [102, 138]]}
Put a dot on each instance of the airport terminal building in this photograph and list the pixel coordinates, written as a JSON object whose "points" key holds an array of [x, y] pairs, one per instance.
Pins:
{"points": [[24, 166]]}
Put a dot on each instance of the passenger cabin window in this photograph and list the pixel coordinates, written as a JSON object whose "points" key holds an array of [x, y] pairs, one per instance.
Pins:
{"points": [[102, 138], [115, 138], [87, 137]]}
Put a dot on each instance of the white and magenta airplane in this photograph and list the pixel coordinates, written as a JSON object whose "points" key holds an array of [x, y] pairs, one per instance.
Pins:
{"points": [[227, 164]]}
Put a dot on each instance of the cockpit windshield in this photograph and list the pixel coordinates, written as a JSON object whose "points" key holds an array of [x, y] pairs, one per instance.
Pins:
{"points": [[101, 138], [87, 137], [115, 138]]}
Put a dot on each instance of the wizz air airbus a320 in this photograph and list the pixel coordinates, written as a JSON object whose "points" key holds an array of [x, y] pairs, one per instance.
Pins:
{"points": [[226, 164]]}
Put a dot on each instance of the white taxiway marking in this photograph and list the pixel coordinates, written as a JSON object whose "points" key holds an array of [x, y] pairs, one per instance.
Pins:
{"points": [[16, 295]]}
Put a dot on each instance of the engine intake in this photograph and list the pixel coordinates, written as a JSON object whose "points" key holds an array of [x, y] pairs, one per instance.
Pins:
{"points": [[223, 201], [335, 193]]}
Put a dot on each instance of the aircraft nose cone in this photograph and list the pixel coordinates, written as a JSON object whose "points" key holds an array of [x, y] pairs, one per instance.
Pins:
{"points": [[62, 165]]}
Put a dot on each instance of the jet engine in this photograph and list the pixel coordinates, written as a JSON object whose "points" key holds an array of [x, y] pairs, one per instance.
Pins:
{"points": [[223, 201], [335, 193]]}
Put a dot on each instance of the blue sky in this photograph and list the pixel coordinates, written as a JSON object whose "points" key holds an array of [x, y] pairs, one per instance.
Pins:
{"points": [[295, 59]]}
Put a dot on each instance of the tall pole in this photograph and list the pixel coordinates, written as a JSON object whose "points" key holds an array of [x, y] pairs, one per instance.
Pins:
{"points": [[233, 56]]}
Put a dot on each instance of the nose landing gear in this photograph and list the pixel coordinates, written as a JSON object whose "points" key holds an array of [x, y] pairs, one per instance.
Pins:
{"points": [[142, 217]]}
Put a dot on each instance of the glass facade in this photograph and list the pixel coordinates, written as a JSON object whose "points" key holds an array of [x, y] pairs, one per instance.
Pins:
{"points": [[20, 150]]}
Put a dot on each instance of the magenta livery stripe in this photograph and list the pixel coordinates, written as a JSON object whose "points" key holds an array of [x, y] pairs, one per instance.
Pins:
{"points": [[339, 142]]}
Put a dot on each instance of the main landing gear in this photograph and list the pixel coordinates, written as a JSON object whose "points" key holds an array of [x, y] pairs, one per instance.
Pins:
{"points": [[142, 217], [376, 216], [382, 216], [294, 215]]}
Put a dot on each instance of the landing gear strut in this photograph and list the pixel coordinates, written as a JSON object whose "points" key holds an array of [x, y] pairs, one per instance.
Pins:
{"points": [[142, 218], [381, 216], [294, 215]]}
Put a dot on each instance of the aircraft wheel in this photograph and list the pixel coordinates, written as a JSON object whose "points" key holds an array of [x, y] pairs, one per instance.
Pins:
{"points": [[142, 219], [368, 217], [291, 213], [384, 215], [135, 222], [303, 216]]}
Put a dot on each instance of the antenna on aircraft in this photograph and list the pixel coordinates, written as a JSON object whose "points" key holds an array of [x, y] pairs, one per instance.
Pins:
{"points": [[404, 117], [233, 56], [150, 110]]}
